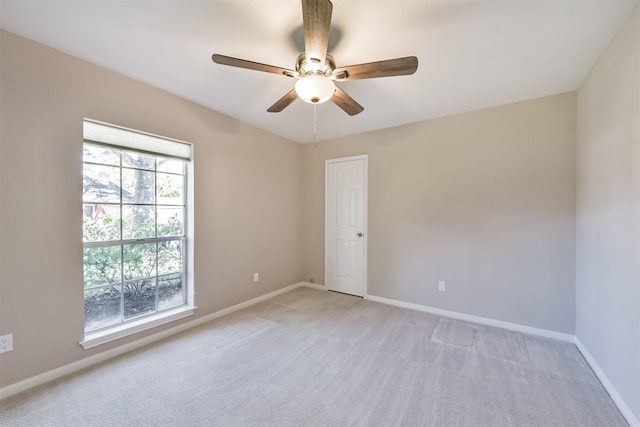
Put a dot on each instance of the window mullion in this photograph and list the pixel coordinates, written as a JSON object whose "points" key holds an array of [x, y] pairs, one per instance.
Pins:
{"points": [[131, 241], [121, 249], [157, 306], [185, 225], [121, 283], [155, 201]]}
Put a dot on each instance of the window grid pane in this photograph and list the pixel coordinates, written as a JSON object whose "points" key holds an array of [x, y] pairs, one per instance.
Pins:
{"points": [[134, 234]]}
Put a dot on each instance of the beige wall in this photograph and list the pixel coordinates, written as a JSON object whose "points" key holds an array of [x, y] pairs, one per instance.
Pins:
{"points": [[483, 200], [608, 213], [247, 189]]}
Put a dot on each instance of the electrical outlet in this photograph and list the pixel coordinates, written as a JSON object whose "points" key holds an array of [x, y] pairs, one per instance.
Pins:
{"points": [[6, 343], [256, 277], [442, 286]]}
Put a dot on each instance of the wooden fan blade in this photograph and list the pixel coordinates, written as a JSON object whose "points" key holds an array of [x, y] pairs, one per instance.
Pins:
{"points": [[316, 19], [250, 65], [283, 102], [370, 70], [347, 103]]}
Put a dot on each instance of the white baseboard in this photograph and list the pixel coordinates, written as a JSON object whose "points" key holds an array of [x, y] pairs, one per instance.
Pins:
{"points": [[45, 377], [615, 396], [476, 319], [313, 286]]}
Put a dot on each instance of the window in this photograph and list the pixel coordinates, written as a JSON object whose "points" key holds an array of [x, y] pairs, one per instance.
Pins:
{"points": [[135, 212]]}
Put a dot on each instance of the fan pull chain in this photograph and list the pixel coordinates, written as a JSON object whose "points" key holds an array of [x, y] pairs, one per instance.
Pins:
{"points": [[315, 128]]}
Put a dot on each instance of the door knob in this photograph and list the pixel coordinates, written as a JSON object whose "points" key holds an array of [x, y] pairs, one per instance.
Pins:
{"points": [[359, 234]]}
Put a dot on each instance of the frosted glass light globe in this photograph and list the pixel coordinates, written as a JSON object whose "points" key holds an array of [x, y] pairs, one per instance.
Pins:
{"points": [[315, 89]]}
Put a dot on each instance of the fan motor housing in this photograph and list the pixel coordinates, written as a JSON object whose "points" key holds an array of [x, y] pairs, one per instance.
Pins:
{"points": [[304, 68]]}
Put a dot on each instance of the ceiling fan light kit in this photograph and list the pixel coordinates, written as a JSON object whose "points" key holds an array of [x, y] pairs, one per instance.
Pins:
{"points": [[315, 89], [316, 70], [315, 84]]}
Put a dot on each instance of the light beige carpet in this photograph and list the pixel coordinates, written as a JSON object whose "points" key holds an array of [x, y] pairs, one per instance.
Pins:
{"points": [[315, 358]]}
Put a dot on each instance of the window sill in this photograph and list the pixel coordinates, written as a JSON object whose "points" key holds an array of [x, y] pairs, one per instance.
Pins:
{"points": [[94, 339]]}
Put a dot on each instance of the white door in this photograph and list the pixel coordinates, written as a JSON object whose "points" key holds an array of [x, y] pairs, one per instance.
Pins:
{"points": [[345, 225]]}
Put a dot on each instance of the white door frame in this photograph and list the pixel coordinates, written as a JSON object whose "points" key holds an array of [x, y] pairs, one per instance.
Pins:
{"points": [[365, 207]]}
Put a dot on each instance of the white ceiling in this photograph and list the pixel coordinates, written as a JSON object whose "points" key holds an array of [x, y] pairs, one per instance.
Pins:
{"points": [[472, 54]]}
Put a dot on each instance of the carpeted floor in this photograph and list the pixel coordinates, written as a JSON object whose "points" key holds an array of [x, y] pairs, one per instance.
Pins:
{"points": [[315, 358]]}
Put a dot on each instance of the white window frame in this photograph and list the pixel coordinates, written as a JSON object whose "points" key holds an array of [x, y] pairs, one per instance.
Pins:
{"points": [[120, 137]]}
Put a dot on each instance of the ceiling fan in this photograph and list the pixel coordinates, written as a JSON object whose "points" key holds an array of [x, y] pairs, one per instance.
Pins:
{"points": [[316, 70]]}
